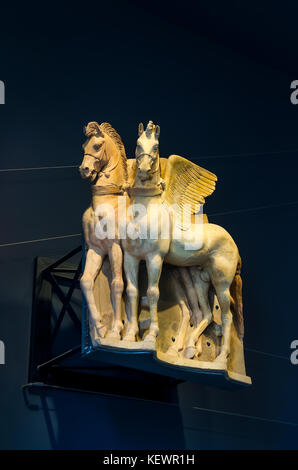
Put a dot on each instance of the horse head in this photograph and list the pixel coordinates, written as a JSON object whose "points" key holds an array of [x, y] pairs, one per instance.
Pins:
{"points": [[103, 145], [147, 152]]}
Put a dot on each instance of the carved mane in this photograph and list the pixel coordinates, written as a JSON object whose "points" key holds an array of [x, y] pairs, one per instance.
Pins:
{"points": [[108, 129]]}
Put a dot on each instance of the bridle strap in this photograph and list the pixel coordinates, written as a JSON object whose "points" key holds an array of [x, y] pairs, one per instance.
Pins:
{"points": [[143, 154], [148, 155], [89, 155], [108, 170], [144, 192], [109, 189]]}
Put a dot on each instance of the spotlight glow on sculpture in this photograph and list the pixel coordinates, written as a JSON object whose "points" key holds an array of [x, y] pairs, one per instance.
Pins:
{"points": [[185, 270]]}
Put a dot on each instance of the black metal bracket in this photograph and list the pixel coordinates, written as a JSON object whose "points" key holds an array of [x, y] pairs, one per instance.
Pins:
{"points": [[49, 278], [54, 363]]}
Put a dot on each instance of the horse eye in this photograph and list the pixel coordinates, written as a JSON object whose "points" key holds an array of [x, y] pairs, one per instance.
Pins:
{"points": [[96, 147]]}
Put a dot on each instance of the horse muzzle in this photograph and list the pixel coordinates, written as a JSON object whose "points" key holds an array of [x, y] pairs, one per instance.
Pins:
{"points": [[144, 174], [87, 174]]}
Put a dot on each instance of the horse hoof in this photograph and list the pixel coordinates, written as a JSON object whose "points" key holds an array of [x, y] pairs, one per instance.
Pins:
{"points": [[113, 335], [172, 352], [150, 337], [149, 345], [189, 352], [221, 360], [150, 342], [101, 331], [131, 337]]}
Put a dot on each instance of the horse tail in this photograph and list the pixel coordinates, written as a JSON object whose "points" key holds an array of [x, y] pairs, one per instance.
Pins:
{"points": [[236, 304]]}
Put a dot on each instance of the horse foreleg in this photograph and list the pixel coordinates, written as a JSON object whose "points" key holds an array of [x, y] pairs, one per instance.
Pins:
{"points": [[154, 266], [202, 288], [116, 257], [93, 264], [131, 268]]}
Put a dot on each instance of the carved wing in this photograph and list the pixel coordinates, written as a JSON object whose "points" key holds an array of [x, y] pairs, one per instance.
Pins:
{"points": [[187, 184]]}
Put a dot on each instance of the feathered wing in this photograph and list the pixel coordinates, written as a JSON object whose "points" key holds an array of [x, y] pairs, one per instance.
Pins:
{"points": [[187, 184]]}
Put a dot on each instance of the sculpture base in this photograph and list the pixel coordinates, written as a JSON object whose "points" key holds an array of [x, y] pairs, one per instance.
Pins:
{"points": [[207, 373], [125, 345], [170, 351], [204, 366]]}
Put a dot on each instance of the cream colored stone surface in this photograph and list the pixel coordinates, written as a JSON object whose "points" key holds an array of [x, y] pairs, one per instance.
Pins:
{"points": [[191, 314]]}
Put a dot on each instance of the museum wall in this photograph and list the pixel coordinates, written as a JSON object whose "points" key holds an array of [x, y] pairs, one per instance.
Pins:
{"points": [[217, 106]]}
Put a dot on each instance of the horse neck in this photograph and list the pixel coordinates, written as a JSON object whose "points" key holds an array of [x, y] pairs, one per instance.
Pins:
{"points": [[145, 201], [112, 177]]}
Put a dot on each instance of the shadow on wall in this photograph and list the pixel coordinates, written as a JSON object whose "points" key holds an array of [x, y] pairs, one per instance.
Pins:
{"points": [[89, 421]]}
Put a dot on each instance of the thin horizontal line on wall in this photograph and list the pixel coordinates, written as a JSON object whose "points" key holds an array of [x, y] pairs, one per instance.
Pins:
{"points": [[251, 209], [231, 155], [263, 353], [5, 170], [252, 154], [40, 240], [155, 402], [240, 415]]}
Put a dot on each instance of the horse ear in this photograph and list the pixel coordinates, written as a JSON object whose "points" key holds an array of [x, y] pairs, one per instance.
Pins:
{"points": [[141, 129], [93, 128], [157, 131]]}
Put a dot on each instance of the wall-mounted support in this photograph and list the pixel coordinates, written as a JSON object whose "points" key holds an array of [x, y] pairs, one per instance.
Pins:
{"points": [[53, 362]]}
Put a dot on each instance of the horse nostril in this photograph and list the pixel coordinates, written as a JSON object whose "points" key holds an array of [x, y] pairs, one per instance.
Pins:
{"points": [[86, 168]]}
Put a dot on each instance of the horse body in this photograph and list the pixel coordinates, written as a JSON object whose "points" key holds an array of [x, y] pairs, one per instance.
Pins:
{"points": [[215, 261], [146, 201], [153, 252], [141, 248], [104, 164], [213, 238]]}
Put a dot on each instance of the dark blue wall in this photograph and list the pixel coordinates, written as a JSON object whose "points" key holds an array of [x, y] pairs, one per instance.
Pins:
{"points": [[222, 101]]}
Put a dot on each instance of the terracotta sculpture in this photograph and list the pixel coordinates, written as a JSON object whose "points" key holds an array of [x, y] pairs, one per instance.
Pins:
{"points": [[205, 314]]}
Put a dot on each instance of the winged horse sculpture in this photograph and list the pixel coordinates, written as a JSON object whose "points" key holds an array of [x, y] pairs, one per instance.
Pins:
{"points": [[216, 261]]}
